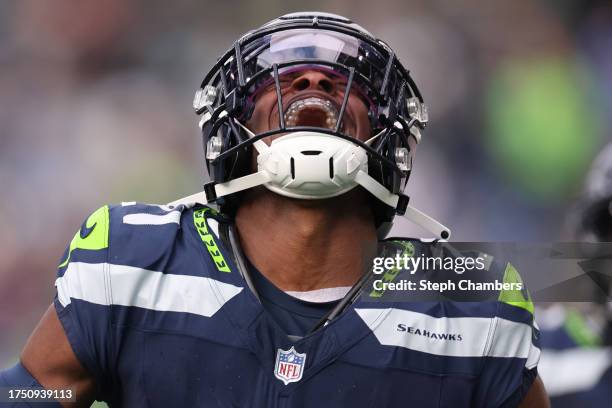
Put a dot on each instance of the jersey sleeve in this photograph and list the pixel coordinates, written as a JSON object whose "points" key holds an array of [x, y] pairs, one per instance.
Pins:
{"points": [[82, 298], [513, 351]]}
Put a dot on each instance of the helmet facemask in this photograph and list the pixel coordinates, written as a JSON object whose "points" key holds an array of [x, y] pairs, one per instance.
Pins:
{"points": [[367, 68]]}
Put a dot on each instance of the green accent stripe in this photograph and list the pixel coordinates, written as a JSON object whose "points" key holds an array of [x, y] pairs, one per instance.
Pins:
{"points": [[578, 329], [97, 239], [515, 297], [391, 274], [199, 220]]}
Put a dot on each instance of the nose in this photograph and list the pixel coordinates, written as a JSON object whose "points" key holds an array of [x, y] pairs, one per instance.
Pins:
{"points": [[313, 80]]}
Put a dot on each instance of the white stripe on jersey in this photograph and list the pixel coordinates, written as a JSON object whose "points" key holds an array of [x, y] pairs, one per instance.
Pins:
{"points": [[152, 219], [131, 286], [451, 336], [573, 370], [534, 357]]}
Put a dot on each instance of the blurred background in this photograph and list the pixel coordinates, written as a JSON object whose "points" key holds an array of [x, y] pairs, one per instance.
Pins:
{"points": [[95, 108]]}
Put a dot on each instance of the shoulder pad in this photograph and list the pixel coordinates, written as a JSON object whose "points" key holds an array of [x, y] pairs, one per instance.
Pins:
{"points": [[143, 235]]}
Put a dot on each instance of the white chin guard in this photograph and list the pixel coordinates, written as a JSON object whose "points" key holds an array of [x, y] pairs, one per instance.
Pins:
{"points": [[310, 166]]}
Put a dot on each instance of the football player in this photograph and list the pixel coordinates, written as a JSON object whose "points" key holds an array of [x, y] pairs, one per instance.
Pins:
{"points": [[310, 125], [579, 339]]}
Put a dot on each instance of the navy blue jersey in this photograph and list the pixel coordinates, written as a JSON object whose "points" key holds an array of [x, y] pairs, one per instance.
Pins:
{"points": [[576, 367], [295, 316], [155, 309]]}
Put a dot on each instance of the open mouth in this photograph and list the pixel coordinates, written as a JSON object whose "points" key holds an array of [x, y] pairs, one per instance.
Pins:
{"points": [[312, 111]]}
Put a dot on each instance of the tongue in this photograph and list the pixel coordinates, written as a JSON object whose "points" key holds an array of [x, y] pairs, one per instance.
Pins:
{"points": [[311, 116]]}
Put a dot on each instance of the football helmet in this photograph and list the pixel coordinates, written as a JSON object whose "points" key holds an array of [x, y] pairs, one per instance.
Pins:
{"points": [[591, 219], [300, 160], [593, 215]]}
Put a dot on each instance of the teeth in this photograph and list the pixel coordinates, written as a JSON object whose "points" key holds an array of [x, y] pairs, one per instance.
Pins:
{"points": [[293, 111]]}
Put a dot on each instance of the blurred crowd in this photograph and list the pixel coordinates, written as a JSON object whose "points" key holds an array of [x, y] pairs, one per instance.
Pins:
{"points": [[96, 108]]}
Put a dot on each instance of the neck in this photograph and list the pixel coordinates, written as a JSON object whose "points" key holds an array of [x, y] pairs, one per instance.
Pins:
{"points": [[302, 245]]}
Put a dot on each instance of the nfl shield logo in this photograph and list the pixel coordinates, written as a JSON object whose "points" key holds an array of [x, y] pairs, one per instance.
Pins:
{"points": [[289, 365]]}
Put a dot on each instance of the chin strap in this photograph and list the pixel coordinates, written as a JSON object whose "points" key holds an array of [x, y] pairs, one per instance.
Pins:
{"points": [[213, 191], [310, 165], [400, 203]]}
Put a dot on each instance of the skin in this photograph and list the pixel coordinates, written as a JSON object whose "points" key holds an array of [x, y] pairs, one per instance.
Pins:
{"points": [[309, 244], [312, 244], [48, 356]]}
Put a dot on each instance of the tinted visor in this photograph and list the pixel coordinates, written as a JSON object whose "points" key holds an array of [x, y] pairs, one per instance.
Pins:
{"points": [[299, 49]]}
